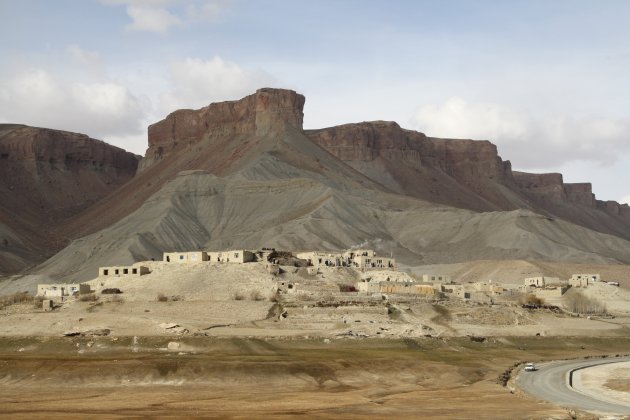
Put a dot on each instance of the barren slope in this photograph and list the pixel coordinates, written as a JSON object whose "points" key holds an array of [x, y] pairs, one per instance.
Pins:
{"points": [[47, 176], [244, 174], [198, 210]]}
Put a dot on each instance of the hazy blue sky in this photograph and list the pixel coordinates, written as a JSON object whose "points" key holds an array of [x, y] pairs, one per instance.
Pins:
{"points": [[547, 81]]}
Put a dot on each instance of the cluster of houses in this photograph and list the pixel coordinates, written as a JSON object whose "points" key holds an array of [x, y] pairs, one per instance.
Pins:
{"points": [[390, 281], [483, 292], [358, 259], [549, 287]]}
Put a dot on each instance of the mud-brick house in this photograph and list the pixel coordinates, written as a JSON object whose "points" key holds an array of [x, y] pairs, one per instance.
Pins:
{"points": [[60, 290], [185, 257], [233, 256], [123, 271]]}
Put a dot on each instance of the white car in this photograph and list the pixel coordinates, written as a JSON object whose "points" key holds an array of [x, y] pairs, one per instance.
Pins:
{"points": [[530, 367]]}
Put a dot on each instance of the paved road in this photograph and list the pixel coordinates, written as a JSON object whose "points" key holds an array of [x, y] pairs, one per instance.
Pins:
{"points": [[550, 383]]}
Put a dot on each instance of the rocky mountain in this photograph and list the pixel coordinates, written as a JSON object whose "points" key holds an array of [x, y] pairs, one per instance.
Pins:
{"points": [[245, 174], [46, 177], [465, 174]]}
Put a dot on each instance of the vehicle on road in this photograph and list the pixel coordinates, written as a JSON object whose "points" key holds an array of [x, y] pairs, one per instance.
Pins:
{"points": [[530, 367]]}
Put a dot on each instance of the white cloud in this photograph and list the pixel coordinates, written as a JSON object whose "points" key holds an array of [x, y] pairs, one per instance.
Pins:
{"points": [[79, 98], [526, 140], [150, 18], [197, 83], [90, 61], [458, 119], [208, 10], [625, 199], [161, 15]]}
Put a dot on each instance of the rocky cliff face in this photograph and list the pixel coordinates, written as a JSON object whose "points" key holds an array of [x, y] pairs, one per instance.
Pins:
{"points": [[255, 115], [448, 171], [474, 165], [550, 187], [48, 176], [64, 150], [49, 181], [367, 141]]}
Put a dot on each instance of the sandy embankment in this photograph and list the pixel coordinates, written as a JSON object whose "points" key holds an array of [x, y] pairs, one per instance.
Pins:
{"points": [[605, 382]]}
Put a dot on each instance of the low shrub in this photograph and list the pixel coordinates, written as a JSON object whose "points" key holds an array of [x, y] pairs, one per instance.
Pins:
{"points": [[256, 295], [111, 291], [532, 300], [20, 297], [347, 288], [88, 297], [161, 297], [238, 296]]}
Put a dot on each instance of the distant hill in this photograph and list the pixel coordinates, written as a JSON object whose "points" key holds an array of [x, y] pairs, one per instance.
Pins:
{"points": [[46, 177], [245, 174]]}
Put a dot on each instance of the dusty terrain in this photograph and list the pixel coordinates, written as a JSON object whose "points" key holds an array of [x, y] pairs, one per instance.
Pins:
{"points": [[217, 299], [215, 340], [609, 382], [280, 378]]}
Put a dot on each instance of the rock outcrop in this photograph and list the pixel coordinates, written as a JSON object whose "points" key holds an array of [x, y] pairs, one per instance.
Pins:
{"points": [[367, 141], [47, 176], [543, 186], [472, 163], [464, 173], [255, 115], [324, 188], [64, 150]]}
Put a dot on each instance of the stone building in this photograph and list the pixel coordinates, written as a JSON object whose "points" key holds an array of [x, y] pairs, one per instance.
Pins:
{"points": [[436, 278], [61, 290], [323, 259], [123, 271], [186, 257], [583, 280], [233, 256], [541, 281], [372, 261], [358, 258]]}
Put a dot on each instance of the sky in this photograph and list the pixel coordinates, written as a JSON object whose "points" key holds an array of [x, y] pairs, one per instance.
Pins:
{"points": [[547, 81]]}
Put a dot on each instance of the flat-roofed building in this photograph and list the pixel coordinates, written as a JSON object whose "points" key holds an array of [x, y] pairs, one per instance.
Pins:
{"points": [[232, 256], [192, 257], [583, 280], [61, 290], [135, 270]]}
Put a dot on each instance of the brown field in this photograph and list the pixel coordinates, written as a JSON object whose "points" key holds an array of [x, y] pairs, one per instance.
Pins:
{"points": [[83, 377]]}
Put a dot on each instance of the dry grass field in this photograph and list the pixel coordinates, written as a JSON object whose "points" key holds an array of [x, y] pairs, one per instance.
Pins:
{"points": [[79, 377]]}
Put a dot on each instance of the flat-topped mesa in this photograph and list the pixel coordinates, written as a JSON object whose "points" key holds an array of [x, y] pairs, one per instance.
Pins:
{"points": [[580, 193], [258, 114], [367, 141], [63, 150], [614, 208], [548, 186], [467, 160]]}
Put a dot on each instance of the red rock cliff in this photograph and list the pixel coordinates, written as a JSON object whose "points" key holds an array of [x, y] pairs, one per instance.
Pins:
{"points": [[543, 186], [48, 176], [64, 150], [366, 141], [51, 174], [268, 109]]}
